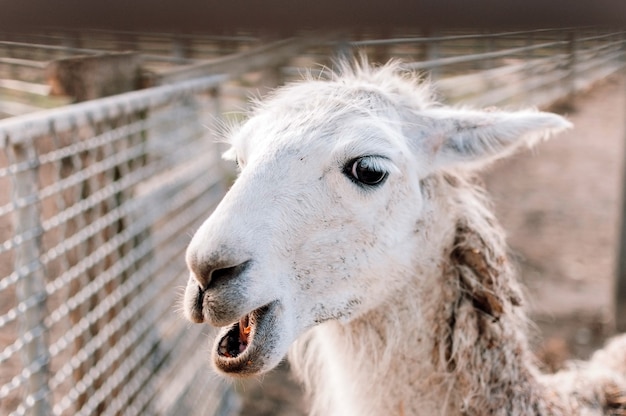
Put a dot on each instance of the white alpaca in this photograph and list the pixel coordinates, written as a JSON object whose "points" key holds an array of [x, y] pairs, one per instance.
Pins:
{"points": [[357, 236]]}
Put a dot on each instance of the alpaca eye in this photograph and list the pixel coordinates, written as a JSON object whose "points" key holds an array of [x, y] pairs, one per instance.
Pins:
{"points": [[364, 171]]}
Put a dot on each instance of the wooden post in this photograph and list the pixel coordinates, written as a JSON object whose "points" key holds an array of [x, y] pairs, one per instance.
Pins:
{"points": [[217, 110], [620, 278], [89, 77], [32, 282]]}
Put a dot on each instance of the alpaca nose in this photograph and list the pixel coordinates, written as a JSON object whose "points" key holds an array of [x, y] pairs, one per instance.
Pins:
{"points": [[211, 274]]}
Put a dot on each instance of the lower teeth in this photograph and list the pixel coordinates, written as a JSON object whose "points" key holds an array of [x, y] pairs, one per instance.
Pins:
{"points": [[224, 348], [232, 347]]}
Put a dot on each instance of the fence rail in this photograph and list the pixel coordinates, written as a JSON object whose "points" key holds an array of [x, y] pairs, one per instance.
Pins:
{"points": [[542, 71], [269, 56], [99, 199], [88, 299]]}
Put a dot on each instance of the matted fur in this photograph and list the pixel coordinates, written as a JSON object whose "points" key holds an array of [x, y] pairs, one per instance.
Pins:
{"points": [[397, 299]]}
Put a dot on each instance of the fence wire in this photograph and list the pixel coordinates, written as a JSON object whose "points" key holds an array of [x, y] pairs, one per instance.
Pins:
{"points": [[98, 202]]}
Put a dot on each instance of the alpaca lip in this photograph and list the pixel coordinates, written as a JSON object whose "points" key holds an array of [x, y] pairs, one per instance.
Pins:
{"points": [[240, 348]]}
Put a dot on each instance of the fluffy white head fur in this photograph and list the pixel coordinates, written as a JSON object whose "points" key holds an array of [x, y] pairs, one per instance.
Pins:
{"points": [[339, 232]]}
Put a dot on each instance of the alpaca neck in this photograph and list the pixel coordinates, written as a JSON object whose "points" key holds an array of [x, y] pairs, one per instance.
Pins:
{"points": [[451, 342], [390, 362], [375, 365]]}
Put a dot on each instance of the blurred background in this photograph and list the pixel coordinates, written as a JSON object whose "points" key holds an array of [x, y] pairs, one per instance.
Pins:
{"points": [[109, 161]]}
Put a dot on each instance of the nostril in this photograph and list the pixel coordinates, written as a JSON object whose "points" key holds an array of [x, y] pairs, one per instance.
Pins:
{"points": [[209, 275], [226, 273]]}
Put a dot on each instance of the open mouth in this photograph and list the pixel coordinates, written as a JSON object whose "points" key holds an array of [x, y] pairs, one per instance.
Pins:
{"points": [[239, 336], [242, 349]]}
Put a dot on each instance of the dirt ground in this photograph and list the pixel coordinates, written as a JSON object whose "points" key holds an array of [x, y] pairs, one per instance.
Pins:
{"points": [[560, 205]]}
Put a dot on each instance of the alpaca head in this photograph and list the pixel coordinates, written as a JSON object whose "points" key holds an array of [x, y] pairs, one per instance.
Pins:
{"points": [[323, 220]]}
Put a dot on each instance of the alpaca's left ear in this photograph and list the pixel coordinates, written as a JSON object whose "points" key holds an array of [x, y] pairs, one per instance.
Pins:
{"points": [[457, 137]]}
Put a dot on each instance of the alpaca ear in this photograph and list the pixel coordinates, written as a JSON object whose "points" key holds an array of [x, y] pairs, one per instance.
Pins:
{"points": [[461, 137]]}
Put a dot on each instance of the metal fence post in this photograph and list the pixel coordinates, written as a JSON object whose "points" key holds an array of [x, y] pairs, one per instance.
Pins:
{"points": [[620, 277], [381, 53], [181, 48], [432, 54], [573, 61], [343, 50], [489, 45], [530, 71], [271, 78], [31, 283]]}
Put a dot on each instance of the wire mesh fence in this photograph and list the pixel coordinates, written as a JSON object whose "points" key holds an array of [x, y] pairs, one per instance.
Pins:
{"points": [[98, 202], [518, 68]]}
